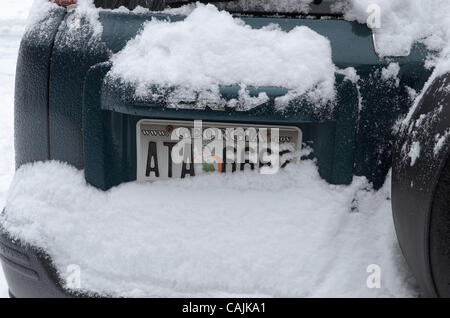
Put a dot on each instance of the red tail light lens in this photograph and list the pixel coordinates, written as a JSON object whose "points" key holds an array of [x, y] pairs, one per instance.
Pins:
{"points": [[64, 2]]}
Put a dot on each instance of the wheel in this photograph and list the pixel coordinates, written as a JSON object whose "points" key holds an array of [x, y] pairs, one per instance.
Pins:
{"points": [[421, 189]]}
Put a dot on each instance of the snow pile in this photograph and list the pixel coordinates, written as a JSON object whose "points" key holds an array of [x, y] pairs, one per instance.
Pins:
{"points": [[210, 48], [289, 234], [13, 22], [440, 141]]}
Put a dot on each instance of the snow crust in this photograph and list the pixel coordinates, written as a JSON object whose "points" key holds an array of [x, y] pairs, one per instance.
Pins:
{"points": [[405, 22], [289, 234], [211, 48]]}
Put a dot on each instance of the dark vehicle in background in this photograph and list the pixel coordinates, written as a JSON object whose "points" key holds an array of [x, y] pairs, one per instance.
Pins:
{"points": [[64, 110]]}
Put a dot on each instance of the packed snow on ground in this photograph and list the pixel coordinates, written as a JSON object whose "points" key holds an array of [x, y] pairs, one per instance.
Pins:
{"points": [[283, 235], [211, 48], [282, 6]]}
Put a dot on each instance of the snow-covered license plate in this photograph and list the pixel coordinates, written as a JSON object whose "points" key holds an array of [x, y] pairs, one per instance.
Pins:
{"points": [[155, 144]]}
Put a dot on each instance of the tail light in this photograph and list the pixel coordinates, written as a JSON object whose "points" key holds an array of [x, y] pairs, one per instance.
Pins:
{"points": [[64, 3]]}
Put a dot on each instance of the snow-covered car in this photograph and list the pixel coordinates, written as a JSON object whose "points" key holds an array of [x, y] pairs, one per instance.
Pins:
{"points": [[102, 88]]}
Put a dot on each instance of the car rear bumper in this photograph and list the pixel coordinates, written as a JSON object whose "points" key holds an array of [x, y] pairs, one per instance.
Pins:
{"points": [[29, 271]]}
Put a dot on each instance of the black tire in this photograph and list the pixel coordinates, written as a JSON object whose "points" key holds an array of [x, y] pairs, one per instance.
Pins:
{"points": [[421, 190]]}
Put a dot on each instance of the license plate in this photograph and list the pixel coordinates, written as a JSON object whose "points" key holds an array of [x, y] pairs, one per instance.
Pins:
{"points": [[156, 143]]}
